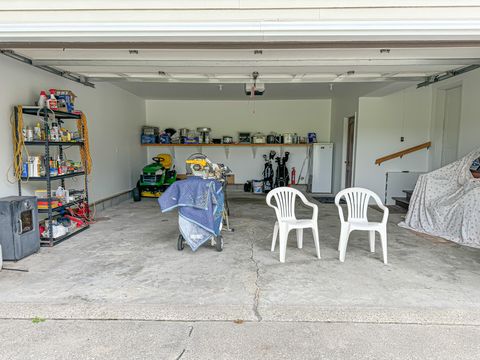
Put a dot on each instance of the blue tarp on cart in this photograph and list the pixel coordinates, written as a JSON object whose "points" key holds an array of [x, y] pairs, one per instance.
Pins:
{"points": [[200, 203]]}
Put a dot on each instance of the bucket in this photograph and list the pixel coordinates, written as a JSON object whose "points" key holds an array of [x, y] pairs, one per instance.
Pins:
{"points": [[257, 186]]}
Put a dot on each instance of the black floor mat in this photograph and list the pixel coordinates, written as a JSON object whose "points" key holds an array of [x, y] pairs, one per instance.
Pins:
{"points": [[327, 199], [394, 209]]}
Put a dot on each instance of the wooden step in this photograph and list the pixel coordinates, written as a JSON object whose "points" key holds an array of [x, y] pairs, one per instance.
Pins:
{"points": [[403, 202], [408, 193]]}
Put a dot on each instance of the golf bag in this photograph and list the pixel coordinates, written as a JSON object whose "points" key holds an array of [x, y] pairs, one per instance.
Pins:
{"points": [[268, 173], [282, 176]]}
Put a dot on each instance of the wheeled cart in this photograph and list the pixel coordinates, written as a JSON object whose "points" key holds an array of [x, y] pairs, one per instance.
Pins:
{"points": [[216, 241], [202, 203]]}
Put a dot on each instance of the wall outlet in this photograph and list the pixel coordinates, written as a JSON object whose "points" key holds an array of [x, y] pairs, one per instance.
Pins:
{"points": [[402, 139]]}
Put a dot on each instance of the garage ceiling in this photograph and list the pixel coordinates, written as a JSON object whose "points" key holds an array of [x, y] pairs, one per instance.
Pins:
{"points": [[296, 72], [236, 66], [166, 49], [195, 91]]}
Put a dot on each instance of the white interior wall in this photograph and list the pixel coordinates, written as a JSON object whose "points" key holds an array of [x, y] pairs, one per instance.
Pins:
{"points": [[470, 112], [230, 117], [382, 122], [114, 119], [417, 114], [469, 129], [469, 135]]}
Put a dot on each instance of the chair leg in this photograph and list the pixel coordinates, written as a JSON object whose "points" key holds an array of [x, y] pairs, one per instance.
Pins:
{"points": [[283, 242], [383, 237], [299, 238], [372, 240], [316, 240], [344, 234], [275, 235]]}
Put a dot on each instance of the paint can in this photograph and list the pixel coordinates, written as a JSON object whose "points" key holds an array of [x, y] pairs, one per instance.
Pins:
{"points": [[271, 139], [257, 186], [25, 169]]}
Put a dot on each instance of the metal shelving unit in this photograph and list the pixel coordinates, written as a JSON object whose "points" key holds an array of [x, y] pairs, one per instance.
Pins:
{"points": [[50, 211]]}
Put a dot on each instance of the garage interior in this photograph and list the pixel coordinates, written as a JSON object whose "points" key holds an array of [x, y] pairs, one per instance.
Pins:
{"points": [[393, 99]]}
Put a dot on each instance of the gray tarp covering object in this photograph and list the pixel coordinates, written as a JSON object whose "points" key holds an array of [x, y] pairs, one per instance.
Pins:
{"points": [[446, 203]]}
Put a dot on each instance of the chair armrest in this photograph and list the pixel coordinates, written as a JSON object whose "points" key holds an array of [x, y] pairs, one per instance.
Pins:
{"points": [[385, 209], [310, 204], [340, 213], [269, 200], [386, 212], [338, 197], [315, 210]]}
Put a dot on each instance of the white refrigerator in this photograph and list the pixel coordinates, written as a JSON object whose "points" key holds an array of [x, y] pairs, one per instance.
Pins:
{"points": [[320, 168]]}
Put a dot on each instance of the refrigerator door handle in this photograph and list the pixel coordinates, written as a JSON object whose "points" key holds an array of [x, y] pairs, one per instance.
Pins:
{"points": [[19, 230]]}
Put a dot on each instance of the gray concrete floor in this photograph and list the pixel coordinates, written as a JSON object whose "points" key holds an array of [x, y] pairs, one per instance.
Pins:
{"points": [[124, 277]]}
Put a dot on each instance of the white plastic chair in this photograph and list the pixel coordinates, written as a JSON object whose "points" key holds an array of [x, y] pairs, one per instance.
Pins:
{"points": [[357, 200], [286, 220]]}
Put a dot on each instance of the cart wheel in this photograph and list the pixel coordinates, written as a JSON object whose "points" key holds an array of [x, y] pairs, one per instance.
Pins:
{"points": [[180, 243], [219, 243]]}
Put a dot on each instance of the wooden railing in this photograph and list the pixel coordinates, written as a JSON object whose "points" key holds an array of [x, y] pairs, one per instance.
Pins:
{"points": [[403, 152]]}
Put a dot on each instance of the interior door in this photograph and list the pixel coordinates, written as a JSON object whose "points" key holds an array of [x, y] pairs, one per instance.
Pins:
{"points": [[349, 157], [451, 125]]}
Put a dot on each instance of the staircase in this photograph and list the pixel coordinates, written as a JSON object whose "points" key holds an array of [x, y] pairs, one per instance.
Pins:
{"points": [[404, 202]]}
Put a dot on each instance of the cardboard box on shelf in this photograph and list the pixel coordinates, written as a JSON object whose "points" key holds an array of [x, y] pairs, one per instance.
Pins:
{"points": [[231, 179]]}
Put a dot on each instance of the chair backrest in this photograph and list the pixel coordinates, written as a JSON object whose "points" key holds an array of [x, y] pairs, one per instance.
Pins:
{"points": [[357, 200], [285, 201]]}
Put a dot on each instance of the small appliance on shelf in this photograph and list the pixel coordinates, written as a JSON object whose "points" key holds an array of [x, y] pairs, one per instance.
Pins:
{"points": [[244, 138], [227, 139], [259, 138], [204, 135]]}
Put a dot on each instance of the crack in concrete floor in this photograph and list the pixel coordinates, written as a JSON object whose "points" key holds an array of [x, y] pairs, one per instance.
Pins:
{"points": [[256, 298], [184, 350]]}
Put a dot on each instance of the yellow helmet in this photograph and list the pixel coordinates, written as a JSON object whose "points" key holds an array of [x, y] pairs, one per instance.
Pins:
{"points": [[165, 159]]}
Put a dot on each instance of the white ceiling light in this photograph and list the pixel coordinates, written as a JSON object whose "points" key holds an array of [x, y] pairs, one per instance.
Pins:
{"points": [[407, 75], [103, 75], [319, 76], [145, 75], [189, 76], [276, 76], [232, 76]]}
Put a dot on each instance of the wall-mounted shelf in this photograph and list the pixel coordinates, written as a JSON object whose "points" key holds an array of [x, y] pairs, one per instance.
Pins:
{"points": [[226, 147], [234, 144]]}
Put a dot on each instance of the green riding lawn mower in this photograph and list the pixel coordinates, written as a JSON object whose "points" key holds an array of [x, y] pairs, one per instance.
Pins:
{"points": [[155, 178]]}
